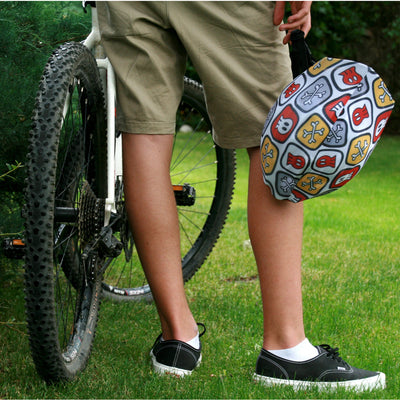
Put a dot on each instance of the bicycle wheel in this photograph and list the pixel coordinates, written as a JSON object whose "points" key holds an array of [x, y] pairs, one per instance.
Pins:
{"points": [[66, 178], [203, 176]]}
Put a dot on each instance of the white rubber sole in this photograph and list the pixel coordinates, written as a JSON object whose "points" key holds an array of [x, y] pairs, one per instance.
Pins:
{"points": [[359, 385], [167, 370]]}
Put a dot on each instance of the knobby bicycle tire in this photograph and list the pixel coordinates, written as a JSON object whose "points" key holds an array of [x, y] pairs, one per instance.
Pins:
{"points": [[66, 170], [204, 176]]}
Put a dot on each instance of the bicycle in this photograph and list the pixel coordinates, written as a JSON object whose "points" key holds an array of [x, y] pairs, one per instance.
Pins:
{"points": [[78, 245]]}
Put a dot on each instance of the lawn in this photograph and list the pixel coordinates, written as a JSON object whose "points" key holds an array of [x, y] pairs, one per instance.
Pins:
{"points": [[351, 301]]}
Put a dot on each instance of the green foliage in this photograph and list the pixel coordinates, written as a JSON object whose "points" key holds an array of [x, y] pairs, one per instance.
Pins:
{"points": [[365, 31], [10, 220], [29, 31], [11, 168], [334, 29]]}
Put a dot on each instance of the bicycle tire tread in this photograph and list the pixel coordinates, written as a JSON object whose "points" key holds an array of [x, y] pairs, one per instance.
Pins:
{"points": [[39, 211]]}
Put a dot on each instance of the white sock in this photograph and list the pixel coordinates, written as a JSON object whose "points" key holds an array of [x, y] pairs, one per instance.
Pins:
{"points": [[195, 342], [302, 352]]}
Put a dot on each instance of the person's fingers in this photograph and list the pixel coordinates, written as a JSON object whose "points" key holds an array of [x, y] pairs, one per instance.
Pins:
{"points": [[279, 12], [300, 19]]}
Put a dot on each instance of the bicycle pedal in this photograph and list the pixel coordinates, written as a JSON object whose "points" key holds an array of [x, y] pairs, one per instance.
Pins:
{"points": [[14, 248], [185, 195]]}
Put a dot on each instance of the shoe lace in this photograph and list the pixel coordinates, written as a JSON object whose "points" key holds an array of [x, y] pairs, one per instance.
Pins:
{"points": [[204, 329], [332, 352]]}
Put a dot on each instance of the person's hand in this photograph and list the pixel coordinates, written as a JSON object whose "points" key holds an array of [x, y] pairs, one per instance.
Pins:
{"points": [[300, 18]]}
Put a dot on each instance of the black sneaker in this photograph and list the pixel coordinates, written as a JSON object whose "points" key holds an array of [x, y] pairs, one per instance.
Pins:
{"points": [[174, 357], [325, 371]]}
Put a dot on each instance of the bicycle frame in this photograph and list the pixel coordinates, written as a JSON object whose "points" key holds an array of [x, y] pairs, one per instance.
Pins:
{"points": [[114, 141]]}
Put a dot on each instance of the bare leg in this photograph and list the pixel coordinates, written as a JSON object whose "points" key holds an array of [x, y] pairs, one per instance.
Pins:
{"points": [[276, 229], [154, 220]]}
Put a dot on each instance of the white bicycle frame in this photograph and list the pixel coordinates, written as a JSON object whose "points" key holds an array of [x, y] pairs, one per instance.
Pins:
{"points": [[114, 141]]}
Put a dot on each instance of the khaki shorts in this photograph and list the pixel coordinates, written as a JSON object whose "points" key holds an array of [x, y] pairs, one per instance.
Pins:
{"points": [[234, 47]]}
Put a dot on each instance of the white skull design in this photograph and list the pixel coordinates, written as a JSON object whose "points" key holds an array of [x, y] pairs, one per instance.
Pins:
{"points": [[381, 126], [284, 125]]}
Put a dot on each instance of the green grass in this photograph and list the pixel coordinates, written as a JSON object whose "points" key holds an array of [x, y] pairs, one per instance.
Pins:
{"points": [[351, 300]]}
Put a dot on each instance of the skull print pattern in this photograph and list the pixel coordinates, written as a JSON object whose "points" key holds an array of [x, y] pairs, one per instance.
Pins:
{"points": [[323, 128]]}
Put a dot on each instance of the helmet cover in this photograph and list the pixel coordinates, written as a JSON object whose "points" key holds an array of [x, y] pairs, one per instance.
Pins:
{"points": [[323, 128]]}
